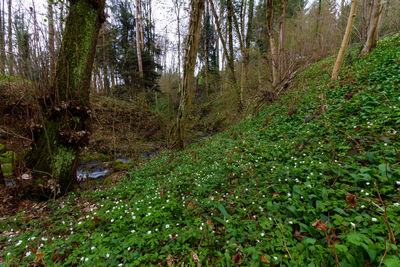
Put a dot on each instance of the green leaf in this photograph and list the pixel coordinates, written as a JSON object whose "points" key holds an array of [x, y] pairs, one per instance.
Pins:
{"points": [[392, 261], [224, 212], [310, 241]]}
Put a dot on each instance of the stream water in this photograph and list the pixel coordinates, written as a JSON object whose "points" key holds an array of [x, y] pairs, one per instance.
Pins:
{"points": [[98, 171]]}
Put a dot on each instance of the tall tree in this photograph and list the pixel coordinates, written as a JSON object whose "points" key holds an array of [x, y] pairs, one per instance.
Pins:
{"points": [[226, 53], [230, 13], [10, 44], [346, 38], [2, 40], [54, 154], [272, 43], [282, 26], [178, 132], [373, 28], [138, 40], [244, 42], [51, 40], [177, 7]]}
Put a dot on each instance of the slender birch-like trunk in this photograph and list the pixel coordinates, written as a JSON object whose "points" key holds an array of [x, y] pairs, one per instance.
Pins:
{"points": [[51, 41], [10, 44], [346, 39], [138, 38]]}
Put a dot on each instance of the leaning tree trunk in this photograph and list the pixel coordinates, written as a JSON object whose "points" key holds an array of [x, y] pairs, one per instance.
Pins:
{"points": [[223, 42], [373, 28], [54, 155], [346, 39], [186, 91]]}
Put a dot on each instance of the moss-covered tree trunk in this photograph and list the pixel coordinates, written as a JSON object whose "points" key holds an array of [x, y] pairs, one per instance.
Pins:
{"points": [[54, 154], [186, 90]]}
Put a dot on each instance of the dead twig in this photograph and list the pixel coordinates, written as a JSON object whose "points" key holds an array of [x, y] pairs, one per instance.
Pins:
{"points": [[391, 234], [283, 239]]}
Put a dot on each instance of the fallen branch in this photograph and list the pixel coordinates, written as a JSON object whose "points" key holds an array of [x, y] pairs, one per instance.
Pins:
{"points": [[284, 240]]}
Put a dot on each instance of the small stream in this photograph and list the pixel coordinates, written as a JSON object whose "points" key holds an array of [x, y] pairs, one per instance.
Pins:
{"points": [[98, 171]]}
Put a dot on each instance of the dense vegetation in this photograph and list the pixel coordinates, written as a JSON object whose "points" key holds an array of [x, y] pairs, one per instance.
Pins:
{"points": [[313, 177]]}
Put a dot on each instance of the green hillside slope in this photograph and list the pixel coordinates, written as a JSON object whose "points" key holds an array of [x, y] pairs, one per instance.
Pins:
{"points": [[311, 180]]}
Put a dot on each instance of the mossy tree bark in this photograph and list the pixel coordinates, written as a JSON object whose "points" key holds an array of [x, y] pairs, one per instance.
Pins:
{"points": [[54, 154], [178, 132]]}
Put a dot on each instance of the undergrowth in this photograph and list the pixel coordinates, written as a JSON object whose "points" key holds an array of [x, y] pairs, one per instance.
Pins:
{"points": [[311, 180]]}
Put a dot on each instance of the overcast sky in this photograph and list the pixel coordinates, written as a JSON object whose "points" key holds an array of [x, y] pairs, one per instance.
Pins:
{"points": [[163, 14]]}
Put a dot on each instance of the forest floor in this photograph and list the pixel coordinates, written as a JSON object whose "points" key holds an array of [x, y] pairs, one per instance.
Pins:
{"points": [[312, 179]]}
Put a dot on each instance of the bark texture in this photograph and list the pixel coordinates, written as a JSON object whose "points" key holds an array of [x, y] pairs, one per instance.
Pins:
{"points": [[373, 28], [138, 41], [54, 155], [51, 42], [346, 39], [10, 45], [178, 132], [2, 40], [272, 43]]}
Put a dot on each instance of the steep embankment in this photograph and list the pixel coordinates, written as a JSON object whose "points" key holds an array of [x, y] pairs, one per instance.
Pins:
{"points": [[312, 179]]}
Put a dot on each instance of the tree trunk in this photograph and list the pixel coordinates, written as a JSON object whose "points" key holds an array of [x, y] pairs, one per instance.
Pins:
{"points": [[373, 28], [271, 40], [346, 39], [2, 40], [178, 132], [51, 42], [206, 15], [54, 155], [141, 24], [138, 46], [178, 19], [2, 181], [245, 50], [106, 82], [282, 25], [224, 48], [230, 33], [317, 34], [10, 44]]}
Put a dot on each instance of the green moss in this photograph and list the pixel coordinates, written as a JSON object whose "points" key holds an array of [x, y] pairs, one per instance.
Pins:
{"points": [[7, 169], [7, 157], [120, 166], [96, 157], [63, 159]]}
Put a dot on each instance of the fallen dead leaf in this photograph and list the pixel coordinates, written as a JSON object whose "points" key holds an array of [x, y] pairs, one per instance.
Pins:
{"points": [[237, 258], [276, 195], [320, 225], [351, 200], [39, 257], [170, 260], [298, 236], [264, 259], [195, 257]]}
